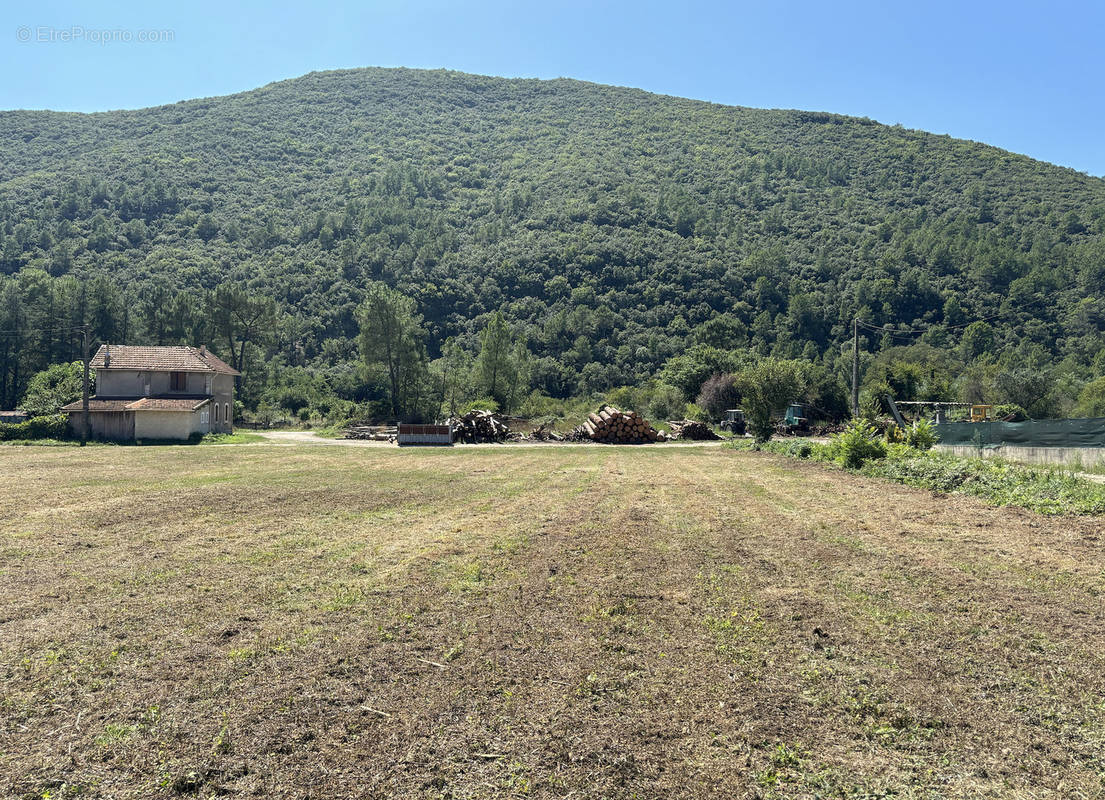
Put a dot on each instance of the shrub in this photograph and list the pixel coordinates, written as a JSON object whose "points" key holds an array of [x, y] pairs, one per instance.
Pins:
{"points": [[800, 449], [719, 393], [695, 412], [266, 415], [481, 404], [54, 426], [1041, 489], [667, 402], [922, 436], [52, 388], [1010, 412], [857, 444], [766, 386]]}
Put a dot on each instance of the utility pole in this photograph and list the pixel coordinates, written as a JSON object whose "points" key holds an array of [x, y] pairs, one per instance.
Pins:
{"points": [[84, 386], [855, 367]]}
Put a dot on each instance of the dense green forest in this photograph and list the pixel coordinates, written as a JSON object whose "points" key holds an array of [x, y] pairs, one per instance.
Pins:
{"points": [[616, 231]]}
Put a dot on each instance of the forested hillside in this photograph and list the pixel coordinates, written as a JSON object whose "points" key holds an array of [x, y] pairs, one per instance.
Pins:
{"points": [[613, 228]]}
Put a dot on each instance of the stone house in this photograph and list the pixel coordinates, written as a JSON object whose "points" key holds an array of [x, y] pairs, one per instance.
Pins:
{"points": [[157, 393]]}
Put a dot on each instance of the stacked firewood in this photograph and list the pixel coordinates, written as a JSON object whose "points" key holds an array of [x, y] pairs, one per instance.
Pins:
{"points": [[479, 426], [376, 433], [691, 429], [612, 426]]}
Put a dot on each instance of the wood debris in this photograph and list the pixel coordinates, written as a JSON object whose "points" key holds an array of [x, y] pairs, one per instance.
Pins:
{"points": [[479, 426], [539, 434], [376, 433], [689, 429]]}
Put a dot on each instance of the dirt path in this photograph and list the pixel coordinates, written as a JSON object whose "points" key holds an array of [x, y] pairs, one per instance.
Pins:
{"points": [[308, 437]]}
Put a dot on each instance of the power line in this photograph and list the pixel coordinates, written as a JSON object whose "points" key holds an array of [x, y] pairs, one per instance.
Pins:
{"points": [[908, 332], [914, 331], [67, 329]]}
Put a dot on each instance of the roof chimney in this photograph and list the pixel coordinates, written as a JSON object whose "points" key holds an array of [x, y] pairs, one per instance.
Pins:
{"points": [[203, 350], [107, 356]]}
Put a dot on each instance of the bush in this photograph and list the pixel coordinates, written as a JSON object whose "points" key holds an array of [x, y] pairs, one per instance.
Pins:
{"points": [[695, 412], [858, 443], [266, 415], [1046, 490], [800, 449], [1042, 489], [481, 404], [718, 394], [54, 426], [922, 436], [766, 386], [52, 388], [667, 402], [1011, 410]]}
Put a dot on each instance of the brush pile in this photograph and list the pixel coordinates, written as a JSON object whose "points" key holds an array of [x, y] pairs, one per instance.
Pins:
{"points": [[479, 426], [542, 433], [375, 433], [612, 426], [689, 429]]}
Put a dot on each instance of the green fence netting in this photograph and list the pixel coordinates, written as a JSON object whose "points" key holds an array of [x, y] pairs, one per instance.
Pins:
{"points": [[1033, 433]]}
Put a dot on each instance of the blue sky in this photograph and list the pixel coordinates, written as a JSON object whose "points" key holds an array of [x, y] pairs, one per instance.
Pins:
{"points": [[1028, 77]]}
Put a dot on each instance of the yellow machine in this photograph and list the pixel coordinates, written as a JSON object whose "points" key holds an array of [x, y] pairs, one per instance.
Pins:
{"points": [[980, 413]]}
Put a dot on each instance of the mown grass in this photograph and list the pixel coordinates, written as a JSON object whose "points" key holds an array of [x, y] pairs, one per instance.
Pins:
{"points": [[238, 437], [274, 621]]}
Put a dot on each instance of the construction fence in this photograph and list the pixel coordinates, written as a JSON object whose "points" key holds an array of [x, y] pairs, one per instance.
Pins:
{"points": [[1074, 443], [1032, 433]]}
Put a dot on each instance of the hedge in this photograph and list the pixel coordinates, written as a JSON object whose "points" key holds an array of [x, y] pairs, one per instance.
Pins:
{"points": [[55, 426]]}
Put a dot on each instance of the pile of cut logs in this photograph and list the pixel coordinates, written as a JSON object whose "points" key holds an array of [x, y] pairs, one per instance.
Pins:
{"points": [[690, 429], [612, 426], [377, 433], [479, 426]]}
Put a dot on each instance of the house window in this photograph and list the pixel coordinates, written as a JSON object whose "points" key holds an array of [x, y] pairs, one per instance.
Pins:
{"points": [[207, 384], [177, 381], [226, 412], [216, 412]]}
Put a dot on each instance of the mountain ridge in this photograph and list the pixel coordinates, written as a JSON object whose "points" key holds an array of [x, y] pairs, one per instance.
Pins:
{"points": [[610, 224], [565, 80]]}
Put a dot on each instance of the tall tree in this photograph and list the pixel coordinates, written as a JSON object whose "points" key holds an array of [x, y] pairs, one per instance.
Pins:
{"points": [[767, 387], [456, 376], [239, 318], [495, 367], [392, 336]]}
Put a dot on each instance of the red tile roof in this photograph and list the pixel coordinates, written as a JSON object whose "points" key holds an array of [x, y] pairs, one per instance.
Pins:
{"points": [[142, 404], [98, 405], [174, 359], [167, 404]]}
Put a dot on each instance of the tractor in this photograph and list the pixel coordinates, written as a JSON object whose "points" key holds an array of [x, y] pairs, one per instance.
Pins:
{"points": [[795, 420], [734, 422]]}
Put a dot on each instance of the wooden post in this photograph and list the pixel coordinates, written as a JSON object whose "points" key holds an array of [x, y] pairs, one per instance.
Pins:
{"points": [[855, 367], [84, 386]]}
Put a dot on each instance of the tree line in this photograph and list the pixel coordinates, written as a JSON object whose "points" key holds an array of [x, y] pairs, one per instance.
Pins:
{"points": [[614, 231]]}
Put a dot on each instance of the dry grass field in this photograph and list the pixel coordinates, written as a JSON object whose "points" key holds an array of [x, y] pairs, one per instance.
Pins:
{"points": [[588, 622]]}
